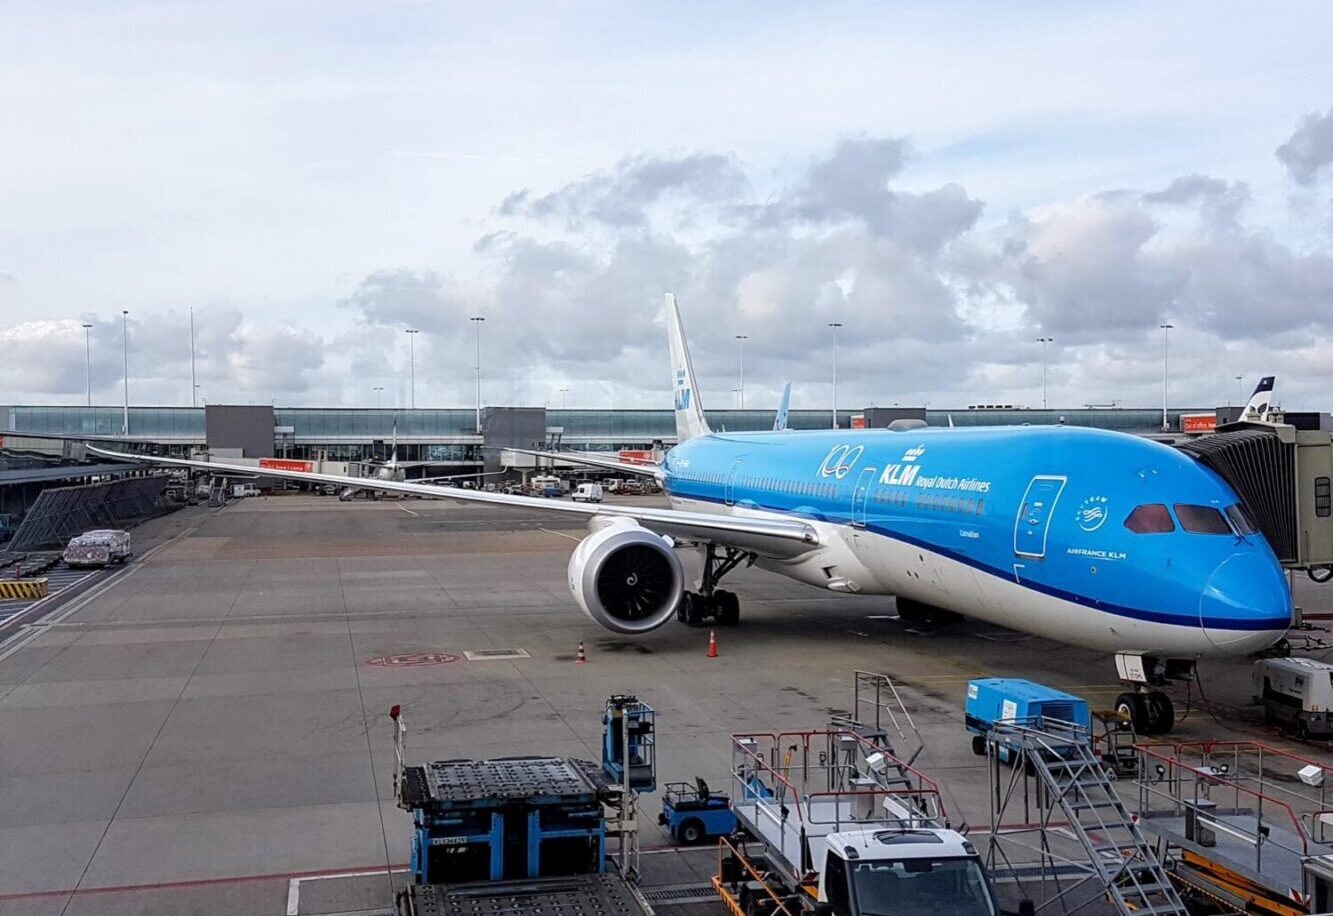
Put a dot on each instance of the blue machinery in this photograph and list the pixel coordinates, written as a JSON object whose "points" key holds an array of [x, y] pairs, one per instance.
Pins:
{"points": [[529, 817], [628, 723]]}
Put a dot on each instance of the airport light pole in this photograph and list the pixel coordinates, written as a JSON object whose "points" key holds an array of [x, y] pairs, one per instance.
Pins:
{"points": [[1044, 341], [125, 355], [193, 387], [88, 358], [1240, 391], [742, 338], [378, 389], [476, 322], [564, 399], [1166, 359], [835, 325], [412, 363]]}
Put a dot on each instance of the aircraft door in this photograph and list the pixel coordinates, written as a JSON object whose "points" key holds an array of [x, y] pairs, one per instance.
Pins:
{"points": [[731, 483], [861, 496], [1035, 513]]}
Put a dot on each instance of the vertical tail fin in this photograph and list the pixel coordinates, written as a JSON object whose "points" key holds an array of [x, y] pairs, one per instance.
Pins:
{"points": [[780, 421], [690, 422], [393, 455], [1260, 401]]}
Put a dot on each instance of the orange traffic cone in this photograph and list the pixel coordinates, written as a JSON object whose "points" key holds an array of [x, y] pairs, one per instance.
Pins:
{"points": [[582, 656], [712, 644]]}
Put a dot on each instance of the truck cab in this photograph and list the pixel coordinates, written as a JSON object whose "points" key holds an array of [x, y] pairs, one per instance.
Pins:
{"points": [[846, 828], [891, 872]]}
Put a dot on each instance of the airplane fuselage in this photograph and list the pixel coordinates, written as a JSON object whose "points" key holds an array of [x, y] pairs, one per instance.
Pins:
{"points": [[1088, 537]]}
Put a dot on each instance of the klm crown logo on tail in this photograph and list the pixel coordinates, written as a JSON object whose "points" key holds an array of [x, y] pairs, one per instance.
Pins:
{"points": [[682, 391]]}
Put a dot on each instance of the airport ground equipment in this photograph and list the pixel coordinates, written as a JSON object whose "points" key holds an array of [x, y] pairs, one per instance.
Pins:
{"points": [[692, 812], [1115, 744], [1007, 699], [98, 549], [1245, 827], [516, 834], [841, 826], [1297, 692], [1057, 806], [629, 766]]}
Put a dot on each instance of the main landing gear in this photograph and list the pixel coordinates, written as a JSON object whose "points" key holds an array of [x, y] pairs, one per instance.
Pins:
{"points": [[1148, 708], [710, 603]]}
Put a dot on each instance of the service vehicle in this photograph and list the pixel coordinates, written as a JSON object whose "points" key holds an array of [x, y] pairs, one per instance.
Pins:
{"points": [[1297, 692], [98, 548], [1010, 699], [844, 828], [241, 490], [549, 487], [587, 493], [692, 813]]}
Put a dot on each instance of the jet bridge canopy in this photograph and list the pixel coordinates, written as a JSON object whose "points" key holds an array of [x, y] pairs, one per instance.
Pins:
{"points": [[1282, 475]]}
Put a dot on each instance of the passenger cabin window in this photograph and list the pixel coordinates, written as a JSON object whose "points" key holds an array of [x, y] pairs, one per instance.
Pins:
{"points": [[1201, 519], [1150, 518]]}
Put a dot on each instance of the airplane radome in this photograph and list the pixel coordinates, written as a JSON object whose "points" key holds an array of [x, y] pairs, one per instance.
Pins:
{"points": [[1091, 538]]}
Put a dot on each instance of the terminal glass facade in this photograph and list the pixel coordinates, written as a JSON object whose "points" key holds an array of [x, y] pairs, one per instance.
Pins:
{"points": [[448, 431]]}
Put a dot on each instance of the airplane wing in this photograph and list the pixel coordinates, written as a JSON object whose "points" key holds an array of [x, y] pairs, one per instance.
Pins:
{"points": [[778, 538], [594, 461]]}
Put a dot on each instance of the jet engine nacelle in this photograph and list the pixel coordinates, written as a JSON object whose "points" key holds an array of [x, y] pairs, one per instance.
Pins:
{"points": [[626, 578]]}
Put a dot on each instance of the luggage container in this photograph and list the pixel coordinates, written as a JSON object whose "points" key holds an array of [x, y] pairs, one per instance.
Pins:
{"points": [[995, 699]]}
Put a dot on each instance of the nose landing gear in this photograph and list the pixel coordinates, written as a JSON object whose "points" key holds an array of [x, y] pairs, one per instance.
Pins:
{"points": [[710, 603], [1149, 710]]}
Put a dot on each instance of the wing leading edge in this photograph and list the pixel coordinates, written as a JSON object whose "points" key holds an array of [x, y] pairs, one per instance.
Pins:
{"points": [[779, 538]]}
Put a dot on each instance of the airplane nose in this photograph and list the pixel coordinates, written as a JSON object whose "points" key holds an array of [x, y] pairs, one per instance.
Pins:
{"points": [[1246, 605]]}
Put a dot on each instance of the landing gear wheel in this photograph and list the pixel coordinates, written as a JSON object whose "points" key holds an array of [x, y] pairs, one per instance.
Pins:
{"points": [[728, 608], [1135, 706], [1161, 713], [690, 611], [979, 745], [691, 832]]}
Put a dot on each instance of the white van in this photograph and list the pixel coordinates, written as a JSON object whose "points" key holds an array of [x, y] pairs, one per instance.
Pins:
{"points": [[588, 493], [1297, 692], [242, 490]]}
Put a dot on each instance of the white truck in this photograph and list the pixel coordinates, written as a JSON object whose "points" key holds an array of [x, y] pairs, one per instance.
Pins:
{"points": [[242, 490], [843, 828], [1297, 692], [98, 548], [587, 493]]}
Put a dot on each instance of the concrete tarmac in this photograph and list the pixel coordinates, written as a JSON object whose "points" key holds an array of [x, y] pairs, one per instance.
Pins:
{"points": [[207, 730]]}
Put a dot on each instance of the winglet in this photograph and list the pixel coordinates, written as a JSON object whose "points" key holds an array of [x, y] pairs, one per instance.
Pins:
{"points": [[1260, 401], [780, 421], [690, 422]]}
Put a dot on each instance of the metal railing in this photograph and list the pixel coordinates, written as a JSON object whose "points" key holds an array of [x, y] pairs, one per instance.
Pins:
{"points": [[1198, 779]]}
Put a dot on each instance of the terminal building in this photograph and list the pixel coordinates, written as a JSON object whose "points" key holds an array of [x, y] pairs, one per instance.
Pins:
{"points": [[450, 437]]}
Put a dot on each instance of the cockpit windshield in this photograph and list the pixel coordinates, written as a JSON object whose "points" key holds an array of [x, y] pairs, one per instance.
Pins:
{"points": [[1201, 519], [1241, 521], [941, 887], [1150, 518]]}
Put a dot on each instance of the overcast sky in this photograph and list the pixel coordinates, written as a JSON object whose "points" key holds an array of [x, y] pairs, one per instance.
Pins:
{"points": [[950, 182]]}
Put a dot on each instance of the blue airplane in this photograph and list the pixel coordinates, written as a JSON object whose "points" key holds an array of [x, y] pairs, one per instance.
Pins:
{"points": [[1092, 538]]}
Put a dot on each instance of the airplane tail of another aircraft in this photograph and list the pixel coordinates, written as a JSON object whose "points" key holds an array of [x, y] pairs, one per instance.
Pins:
{"points": [[1260, 401], [780, 421], [690, 421]]}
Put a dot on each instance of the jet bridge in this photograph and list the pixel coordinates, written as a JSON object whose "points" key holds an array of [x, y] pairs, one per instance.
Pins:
{"points": [[1283, 475]]}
